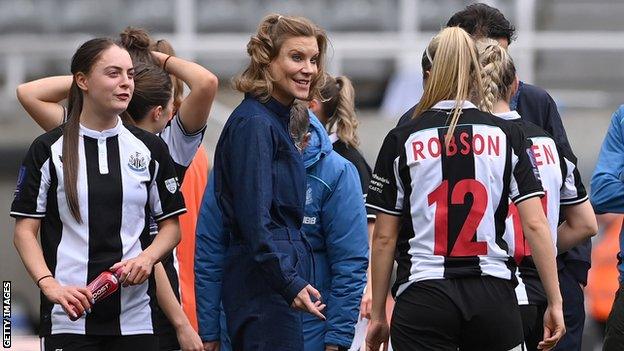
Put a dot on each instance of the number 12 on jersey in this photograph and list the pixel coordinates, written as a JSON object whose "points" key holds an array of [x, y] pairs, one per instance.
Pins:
{"points": [[465, 243]]}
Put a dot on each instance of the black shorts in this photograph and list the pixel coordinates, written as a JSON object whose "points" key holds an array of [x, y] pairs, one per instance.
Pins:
{"points": [[71, 342], [472, 313], [168, 341], [614, 333], [533, 325]]}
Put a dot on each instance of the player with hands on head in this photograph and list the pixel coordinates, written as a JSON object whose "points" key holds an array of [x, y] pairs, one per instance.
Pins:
{"points": [[151, 108], [86, 185]]}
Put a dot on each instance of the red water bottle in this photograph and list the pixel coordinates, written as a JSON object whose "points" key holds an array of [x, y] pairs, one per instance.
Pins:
{"points": [[101, 287]]}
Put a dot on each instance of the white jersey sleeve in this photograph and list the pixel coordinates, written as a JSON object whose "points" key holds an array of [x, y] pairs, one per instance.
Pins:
{"points": [[182, 145]]}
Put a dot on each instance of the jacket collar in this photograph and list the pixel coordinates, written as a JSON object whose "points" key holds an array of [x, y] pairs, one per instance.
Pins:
{"points": [[102, 134]]}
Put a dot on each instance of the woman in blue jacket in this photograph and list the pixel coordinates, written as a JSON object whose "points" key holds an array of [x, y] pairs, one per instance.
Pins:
{"points": [[336, 226], [334, 222], [260, 189], [607, 196]]}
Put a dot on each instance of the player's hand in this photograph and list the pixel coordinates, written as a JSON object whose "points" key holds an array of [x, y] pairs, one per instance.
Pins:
{"points": [[74, 300], [377, 335], [212, 346], [188, 339], [367, 303], [554, 327], [135, 271], [304, 303]]}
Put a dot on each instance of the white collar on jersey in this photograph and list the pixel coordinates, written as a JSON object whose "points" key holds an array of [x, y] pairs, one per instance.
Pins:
{"points": [[508, 115], [333, 137], [450, 104], [103, 134]]}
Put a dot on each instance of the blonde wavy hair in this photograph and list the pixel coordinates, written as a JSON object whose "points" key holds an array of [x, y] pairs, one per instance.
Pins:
{"points": [[455, 74], [265, 45], [338, 101], [498, 73]]}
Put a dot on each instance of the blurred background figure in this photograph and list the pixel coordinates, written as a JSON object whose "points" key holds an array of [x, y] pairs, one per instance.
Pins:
{"points": [[602, 282]]}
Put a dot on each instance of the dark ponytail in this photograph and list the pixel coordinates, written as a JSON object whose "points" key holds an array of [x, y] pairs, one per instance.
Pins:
{"points": [[82, 62], [152, 87]]}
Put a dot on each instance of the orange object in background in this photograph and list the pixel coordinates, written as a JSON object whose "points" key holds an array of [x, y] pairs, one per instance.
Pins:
{"points": [[602, 282], [192, 188]]}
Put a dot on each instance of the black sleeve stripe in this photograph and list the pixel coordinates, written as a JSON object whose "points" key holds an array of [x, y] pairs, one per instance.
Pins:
{"points": [[28, 215], [521, 198], [179, 122], [391, 212], [569, 202], [167, 215], [181, 145]]}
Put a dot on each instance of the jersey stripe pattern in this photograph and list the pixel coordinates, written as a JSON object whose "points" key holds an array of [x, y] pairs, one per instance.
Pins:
{"points": [[453, 200], [183, 147], [125, 175], [562, 184]]}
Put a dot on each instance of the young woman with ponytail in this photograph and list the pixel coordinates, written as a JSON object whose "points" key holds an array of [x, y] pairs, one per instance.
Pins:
{"points": [[86, 185], [441, 187], [152, 106], [336, 110], [559, 177]]}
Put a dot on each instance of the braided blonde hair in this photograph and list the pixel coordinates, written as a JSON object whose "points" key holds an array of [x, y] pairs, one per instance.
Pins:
{"points": [[265, 45], [498, 73]]}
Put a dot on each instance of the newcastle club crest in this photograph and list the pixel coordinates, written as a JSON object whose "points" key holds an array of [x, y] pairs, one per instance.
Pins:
{"points": [[137, 162]]}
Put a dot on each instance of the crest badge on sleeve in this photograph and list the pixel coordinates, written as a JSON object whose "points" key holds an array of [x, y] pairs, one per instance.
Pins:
{"points": [[171, 184]]}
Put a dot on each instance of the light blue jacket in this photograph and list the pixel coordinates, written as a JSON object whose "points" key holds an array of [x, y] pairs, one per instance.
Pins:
{"points": [[334, 224], [607, 183]]}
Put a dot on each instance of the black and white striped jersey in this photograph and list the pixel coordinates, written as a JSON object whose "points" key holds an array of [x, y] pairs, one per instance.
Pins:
{"points": [[125, 175], [453, 200], [562, 186], [182, 148]]}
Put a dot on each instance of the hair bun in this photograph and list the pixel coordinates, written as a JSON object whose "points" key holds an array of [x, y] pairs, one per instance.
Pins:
{"points": [[135, 39]]}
